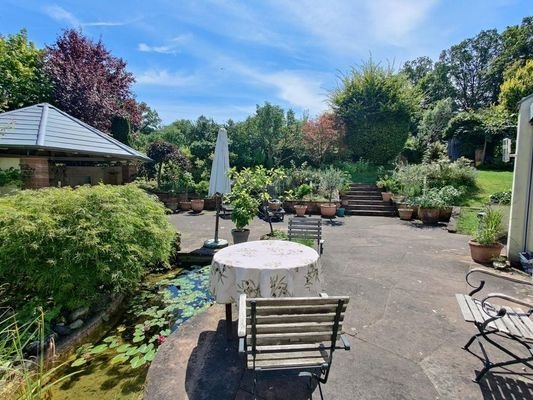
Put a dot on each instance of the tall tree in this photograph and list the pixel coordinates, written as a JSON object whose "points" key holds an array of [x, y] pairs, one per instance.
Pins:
{"points": [[322, 136], [376, 106], [151, 121], [166, 155], [417, 69], [90, 83], [469, 64], [518, 84], [269, 123], [22, 81]]}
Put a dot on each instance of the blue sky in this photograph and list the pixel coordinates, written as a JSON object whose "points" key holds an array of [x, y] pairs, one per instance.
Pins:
{"points": [[220, 58]]}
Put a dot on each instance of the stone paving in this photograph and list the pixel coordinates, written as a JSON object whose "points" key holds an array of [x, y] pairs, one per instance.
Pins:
{"points": [[405, 327]]}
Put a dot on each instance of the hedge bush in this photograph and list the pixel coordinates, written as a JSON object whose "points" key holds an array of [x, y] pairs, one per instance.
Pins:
{"points": [[69, 247]]}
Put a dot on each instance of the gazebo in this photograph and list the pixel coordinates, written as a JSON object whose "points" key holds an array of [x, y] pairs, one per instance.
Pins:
{"points": [[61, 150]]}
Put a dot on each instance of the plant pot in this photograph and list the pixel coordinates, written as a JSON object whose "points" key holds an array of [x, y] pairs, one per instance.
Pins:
{"points": [[340, 212], [197, 205], [445, 214], [428, 215], [386, 196], [172, 204], [300, 210], [240, 236], [274, 205], [484, 254], [328, 210], [406, 214], [185, 205]]}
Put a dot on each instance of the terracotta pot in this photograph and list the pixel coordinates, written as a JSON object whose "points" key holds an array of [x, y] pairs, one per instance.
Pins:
{"points": [[445, 214], [428, 215], [484, 254], [405, 213], [185, 205], [240, 236], [328, 210], [197, 205], [274, 205], [386, 196], [415, 211], [300, 210]]}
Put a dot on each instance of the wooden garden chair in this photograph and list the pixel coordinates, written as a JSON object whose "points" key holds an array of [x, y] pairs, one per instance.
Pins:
{"points": [[498, 322], [296, 334], [307, 228]]}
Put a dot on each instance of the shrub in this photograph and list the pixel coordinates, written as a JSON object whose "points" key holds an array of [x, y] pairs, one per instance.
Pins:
{"points": [[503, 198], [331, 181], [489, 227], [303, 190], [429, 199], [449, 195], [71, 246]]}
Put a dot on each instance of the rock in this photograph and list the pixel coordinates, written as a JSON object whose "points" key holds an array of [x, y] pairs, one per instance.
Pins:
{"points": [[105, 317], [79, 313], [61, 329], [76, 324]]}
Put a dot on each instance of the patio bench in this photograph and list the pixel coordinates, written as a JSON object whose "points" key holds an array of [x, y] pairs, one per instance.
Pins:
{"points": [[298, 334], [307, 228], [498, 322]]}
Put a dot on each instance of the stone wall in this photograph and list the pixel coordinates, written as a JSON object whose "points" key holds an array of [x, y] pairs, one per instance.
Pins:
{"points": [[40, 176]]}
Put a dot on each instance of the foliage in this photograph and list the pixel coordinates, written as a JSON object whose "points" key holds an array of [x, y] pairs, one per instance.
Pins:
{"points": [[277, 235], [503, 198], [121, 129], [377, 107], [249, 190], [67, 247], [88, 82], [22, 82], [517, 85], [303, 190], [435, 120], [435, 151], [387, 183], [430, 198], [331, 181], [150, 120], [489, 226], [167, 155], [14, 176], [450, 195], [322, 137]]}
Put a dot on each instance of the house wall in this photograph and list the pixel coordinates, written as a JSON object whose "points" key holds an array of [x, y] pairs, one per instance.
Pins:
{"points": [[521, 220], [92, 175], [41, 172]]}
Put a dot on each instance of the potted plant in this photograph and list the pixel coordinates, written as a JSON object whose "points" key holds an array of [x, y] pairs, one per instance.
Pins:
{"points": [[405, 214], [429, 204], [274, 204], [484, 247], [186, 180], [387, 184], [244, 210], [449, 196], [331, 181], [197, 205], [300, 209]]}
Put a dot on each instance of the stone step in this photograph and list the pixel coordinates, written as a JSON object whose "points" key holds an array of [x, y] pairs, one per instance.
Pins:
{"points": [[372, 213], [383, 207], [363, 192], [363, 186], [362, 197], [373, 201]]}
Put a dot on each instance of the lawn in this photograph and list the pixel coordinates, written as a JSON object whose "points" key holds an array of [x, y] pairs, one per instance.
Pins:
{"points": [[489, 182]]}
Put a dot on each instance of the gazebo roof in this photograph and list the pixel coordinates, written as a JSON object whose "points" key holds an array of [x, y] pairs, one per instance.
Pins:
{"points": [[46, 128]]}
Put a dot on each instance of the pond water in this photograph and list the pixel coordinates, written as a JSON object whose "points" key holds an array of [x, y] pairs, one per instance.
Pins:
{"points": [[116, 367]]}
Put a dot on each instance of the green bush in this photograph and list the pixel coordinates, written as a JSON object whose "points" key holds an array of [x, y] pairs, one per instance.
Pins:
{"points": [[503, 198], [70, 247], [303, 190], [489, 227]]}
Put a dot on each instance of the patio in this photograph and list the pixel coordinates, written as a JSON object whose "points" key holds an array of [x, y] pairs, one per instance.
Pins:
{"points": [[405, 327]]}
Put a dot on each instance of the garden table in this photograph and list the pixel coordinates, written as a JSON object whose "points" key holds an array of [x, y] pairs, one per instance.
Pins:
{"points": [[264, 268]]}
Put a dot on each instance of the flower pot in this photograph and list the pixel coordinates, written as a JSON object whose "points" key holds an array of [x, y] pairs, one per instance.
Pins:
{"points": [[484, 254], [274, 205], [197, 205], [172, 204], [185, 205], [340, 212], [300, 210], [386, 196], [328, 210], [405, 213], [445, 214], [240, 236], [428, 215]]}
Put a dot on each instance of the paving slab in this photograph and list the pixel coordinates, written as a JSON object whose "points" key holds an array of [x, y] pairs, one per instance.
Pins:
{"points": [[405, 327]]}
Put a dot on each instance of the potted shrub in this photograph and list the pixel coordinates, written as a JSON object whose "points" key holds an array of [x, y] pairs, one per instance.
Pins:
{"points": [[274, 204], [386, 184], [484, 247], [186, 180], [331, 181], [244, 210], [197, 205], [405, 214], [449, 196], [300, 209], [429, 204]]}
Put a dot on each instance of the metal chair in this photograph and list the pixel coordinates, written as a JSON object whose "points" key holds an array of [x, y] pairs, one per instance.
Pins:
{"points": [[307, 229], [498, 322]]}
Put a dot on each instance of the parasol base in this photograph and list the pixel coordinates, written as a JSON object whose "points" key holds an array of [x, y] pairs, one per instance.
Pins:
{"points": [[215, 244]]}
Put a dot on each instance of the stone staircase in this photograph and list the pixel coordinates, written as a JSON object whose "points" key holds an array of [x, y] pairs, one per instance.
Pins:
{"points": [[364, 199]]}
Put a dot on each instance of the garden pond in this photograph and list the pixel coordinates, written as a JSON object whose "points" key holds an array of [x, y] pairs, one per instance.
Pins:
{"points": [[116, 367]]}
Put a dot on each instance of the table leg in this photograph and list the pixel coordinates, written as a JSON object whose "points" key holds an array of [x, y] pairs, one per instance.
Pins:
{"points": [[229, 320]]}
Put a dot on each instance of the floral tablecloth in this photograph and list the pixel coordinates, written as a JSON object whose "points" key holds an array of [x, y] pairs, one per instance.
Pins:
{"points": [[265, 268]]}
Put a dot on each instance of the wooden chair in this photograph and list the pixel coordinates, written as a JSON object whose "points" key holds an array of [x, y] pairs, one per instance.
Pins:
{"points": [[498, 322], [291, 334], [307, 228]]}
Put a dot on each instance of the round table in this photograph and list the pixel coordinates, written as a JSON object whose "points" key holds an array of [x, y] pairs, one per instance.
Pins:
{"points": [[265, 268]]}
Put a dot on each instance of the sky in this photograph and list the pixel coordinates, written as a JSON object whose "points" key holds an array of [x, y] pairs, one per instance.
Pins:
{"points": [[221, 58]]}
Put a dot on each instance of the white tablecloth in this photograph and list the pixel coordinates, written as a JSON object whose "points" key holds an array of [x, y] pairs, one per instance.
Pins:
{"points": [[265, 268]]}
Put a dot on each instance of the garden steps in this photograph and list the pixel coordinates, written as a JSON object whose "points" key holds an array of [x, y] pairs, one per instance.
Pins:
{"points": [[365, 199]]}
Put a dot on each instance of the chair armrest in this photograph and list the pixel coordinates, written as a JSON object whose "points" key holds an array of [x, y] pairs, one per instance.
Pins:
{"points": [[507, 298], [242, 316], [345, 342], [324, 295], [494, 274]]}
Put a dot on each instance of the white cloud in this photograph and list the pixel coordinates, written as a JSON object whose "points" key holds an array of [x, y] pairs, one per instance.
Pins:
{"points": [[165, 78], [171, 48], [60, 14]]}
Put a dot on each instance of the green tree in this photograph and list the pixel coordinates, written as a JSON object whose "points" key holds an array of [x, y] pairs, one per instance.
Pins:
{"points": [[435, 120], [151, 122], [376, 106], [517, 85], [22, 81], [121, 129]]}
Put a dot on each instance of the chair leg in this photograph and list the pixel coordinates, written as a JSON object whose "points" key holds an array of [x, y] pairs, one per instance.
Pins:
{"points": [[469, 343], [254, 391], [489, 366]]}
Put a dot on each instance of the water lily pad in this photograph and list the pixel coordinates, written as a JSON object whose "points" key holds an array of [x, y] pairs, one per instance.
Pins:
{"points": [[99, 349], [132, 351], [123, 348], [121, 329], [137, 339], [137, 362], [79, 362], [109, 339], [114, 344], [120, 358], [150, 355]]}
